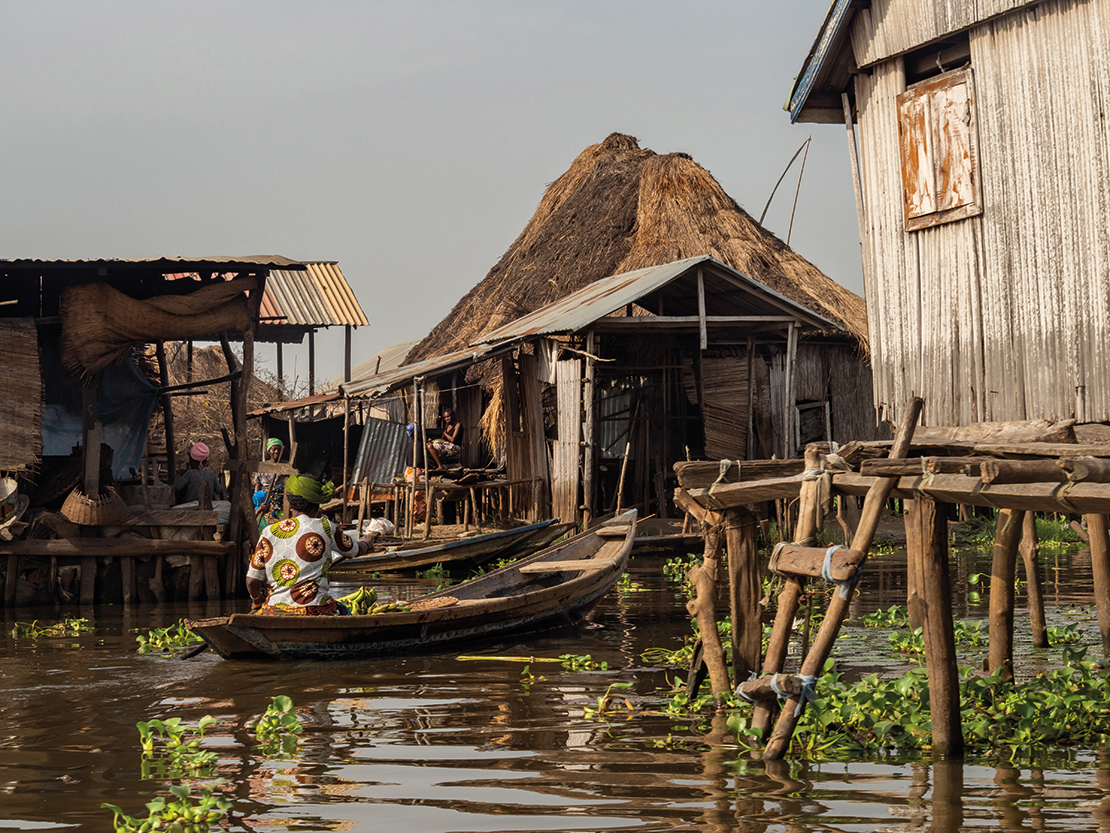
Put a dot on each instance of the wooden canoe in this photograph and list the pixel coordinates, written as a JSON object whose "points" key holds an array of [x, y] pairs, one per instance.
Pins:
{"points": [[461, 552], [555, 587]]}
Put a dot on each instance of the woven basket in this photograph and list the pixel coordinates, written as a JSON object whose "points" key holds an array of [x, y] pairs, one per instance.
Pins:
{"points": [[433, 604], [104, 509]]}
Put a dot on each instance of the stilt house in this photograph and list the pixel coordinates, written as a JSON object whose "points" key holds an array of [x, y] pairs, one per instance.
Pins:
{"points": [[642, 306], [75, 417], [980, 145]]}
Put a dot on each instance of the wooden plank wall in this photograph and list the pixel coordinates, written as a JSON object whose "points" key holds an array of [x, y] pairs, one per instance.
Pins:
{"points": [[565, 469], [1003, 316]]}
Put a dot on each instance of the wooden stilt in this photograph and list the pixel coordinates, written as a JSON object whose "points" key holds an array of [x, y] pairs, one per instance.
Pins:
{"points": [[745, 588], [88, 580], [1003, 574], [940, 640], [703, 606], [915, 594], [127, 579], [1029, 549], [838, 609], [1100, 572]]}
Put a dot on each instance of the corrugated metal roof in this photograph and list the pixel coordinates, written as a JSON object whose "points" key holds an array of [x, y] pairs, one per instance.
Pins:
{"points": [[294, 404], [319, 296], [382, 382], [818, 53], [591, 303], [178, 264]]}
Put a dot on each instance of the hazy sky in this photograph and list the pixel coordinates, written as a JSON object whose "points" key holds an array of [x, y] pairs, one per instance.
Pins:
{"points": [[409, 141]]}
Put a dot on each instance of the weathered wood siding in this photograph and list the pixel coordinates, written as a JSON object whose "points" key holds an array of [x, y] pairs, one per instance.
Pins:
{"points": [[565, 467], [891, 27], [1005, 315]]}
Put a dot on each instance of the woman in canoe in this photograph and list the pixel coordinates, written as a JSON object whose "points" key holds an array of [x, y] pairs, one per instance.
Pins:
{"points": [[289, 566]]}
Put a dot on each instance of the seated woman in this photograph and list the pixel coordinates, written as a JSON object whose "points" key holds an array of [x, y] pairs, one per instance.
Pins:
{"points": [[449, 447], [269, 489], [289, 566]]}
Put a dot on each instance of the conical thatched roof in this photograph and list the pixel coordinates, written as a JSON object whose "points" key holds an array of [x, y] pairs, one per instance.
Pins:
{"points": [[618, 208]]}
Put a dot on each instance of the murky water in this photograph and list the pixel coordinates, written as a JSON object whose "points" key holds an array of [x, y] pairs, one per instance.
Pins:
{"points": [[442, 744]]}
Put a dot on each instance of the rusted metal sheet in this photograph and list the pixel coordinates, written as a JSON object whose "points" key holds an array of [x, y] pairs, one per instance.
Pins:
{"points": [[319, 296], [936, 127], [565, 474]]}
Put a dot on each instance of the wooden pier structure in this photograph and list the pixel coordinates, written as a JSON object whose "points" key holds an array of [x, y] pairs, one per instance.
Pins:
{"points": [[1016, 478]]}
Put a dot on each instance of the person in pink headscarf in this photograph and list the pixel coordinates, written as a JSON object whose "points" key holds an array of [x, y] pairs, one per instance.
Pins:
{"points": [[187, 485]]}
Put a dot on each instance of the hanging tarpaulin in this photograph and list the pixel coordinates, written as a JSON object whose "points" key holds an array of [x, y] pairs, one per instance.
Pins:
{"points": [[125, 399], [100, 324], [21, 404]]}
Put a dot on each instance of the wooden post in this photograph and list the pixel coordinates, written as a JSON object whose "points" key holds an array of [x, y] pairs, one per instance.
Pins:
{"points": [[427, 478], [791, 593], [1100, 573], [838, 608], [788, 422], [1029, 549], [703, 606], [915, 593], [588, 439], [311, 362], [751, 398], [346, 449], [940, 641], [346, 352], [745, 589], [1003, 574], [167, 412]]}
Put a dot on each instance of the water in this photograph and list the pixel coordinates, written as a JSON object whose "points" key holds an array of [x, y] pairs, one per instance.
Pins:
{"points": [[435, 743]]}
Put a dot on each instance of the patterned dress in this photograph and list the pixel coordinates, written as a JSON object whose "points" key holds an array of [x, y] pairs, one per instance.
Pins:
{"points": [[292, 560]]}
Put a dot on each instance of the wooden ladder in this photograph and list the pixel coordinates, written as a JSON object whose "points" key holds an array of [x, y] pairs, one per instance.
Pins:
{"points": [[798, 562]]}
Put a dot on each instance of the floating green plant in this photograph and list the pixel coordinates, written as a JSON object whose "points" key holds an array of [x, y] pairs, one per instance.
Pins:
{"points": [[582, 662], [37, 629], [167, 639], [179, 814], [895, 616], [172, 750], [278, 727]]}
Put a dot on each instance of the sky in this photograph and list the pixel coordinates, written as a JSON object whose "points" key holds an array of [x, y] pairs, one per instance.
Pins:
{"points": [[409, 141]]}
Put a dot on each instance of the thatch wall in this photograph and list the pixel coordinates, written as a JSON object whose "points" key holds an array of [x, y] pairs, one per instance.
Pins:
{"points": [[620, 207], [21, 405]]}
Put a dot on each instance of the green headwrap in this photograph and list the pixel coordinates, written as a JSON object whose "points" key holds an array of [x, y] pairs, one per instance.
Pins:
{"points": [[270, 443], [311, 490]]}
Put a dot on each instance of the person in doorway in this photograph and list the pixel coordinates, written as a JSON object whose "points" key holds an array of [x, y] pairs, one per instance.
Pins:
{"points": [[187, 485], [448, 448], [289, 566], [269, 487]]}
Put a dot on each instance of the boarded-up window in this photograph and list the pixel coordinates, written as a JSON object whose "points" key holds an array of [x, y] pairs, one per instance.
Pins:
{"points": [[940, 169]]}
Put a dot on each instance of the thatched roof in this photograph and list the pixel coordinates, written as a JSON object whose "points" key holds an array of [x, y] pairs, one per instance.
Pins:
{"points": [[618, 208]]}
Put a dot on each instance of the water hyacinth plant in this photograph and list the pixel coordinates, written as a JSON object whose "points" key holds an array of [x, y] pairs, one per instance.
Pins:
{"points": [[178, 814], [168, 639], [173, 750], [278, 727]]}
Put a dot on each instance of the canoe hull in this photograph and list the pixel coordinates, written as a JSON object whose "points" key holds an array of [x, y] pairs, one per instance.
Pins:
{"points": [[500, 604]]}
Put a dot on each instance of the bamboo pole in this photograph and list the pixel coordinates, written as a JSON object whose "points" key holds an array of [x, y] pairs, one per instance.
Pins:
{"points": [[838, 608], [1003, 574], [1100, 573], [1029, 549], [940, 639]]}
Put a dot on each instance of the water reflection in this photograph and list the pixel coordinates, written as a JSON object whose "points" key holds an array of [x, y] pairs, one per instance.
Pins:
{"points": [[438, 744]]}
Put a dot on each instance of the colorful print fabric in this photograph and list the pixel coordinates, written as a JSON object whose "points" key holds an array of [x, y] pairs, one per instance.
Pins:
{"points": [[292, 559]]}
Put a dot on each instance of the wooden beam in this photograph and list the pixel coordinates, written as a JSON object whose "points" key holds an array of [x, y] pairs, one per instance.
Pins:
{"points": [[1069, 498], [124, 547]]}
